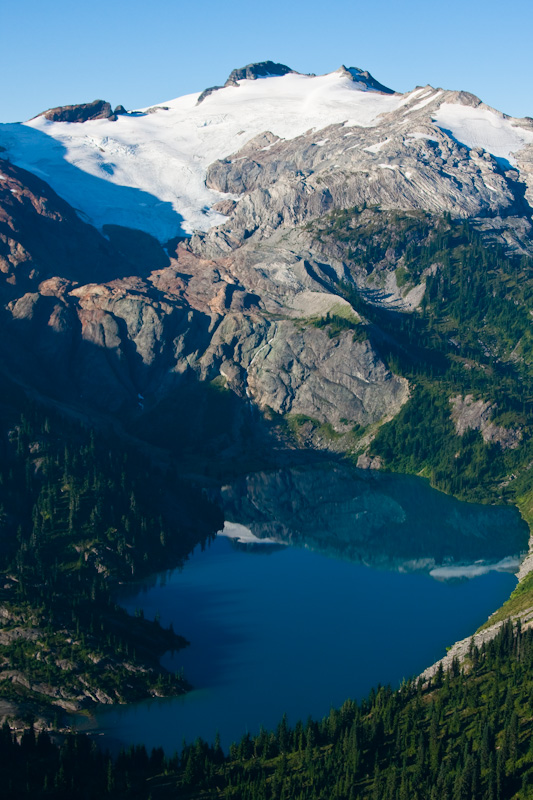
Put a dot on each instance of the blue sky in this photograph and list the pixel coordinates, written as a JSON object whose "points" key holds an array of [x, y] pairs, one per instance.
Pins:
{"points": [[140, 53]]}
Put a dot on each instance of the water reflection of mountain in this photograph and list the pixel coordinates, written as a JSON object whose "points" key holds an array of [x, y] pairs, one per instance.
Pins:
{"points": [[257, 548], [387, 521]]}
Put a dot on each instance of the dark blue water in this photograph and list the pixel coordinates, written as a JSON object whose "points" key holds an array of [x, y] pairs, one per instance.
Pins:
{"points": [[292, 630]]}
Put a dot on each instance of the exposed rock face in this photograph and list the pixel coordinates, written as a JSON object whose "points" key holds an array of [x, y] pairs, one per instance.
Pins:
{"points": [[366, 462], [507, 438], [262, 69], [364, 78], [305, 372], [282, 183], [98, 109], [525, 165], [41, 236], [85, 321], [124, 323], [461, 649], [470, 414], [225, 207], [336, 141], [476, 415]]}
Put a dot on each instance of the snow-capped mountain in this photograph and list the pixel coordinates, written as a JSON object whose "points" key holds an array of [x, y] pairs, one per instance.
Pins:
{"points": [[146, 254], [147, 169]]}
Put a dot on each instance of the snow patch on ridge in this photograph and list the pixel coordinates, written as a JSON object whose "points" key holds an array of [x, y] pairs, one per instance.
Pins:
{"points": [[375, 148], [147, 170], [420, 135], [425, 102], [480, 127]]}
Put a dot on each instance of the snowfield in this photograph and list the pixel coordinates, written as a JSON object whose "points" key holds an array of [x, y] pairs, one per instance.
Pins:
{"points": [[147, 170], [153, 165], [480, 127]]}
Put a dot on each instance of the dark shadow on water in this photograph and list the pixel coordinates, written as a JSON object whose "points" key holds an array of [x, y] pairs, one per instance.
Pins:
{"points": [[206, 623]]}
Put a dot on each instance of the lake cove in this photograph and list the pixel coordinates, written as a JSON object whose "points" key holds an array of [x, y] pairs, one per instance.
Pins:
{"points": [[325, 582]]}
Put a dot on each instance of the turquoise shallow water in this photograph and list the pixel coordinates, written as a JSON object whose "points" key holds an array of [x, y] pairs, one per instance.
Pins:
{"points": [[292, 631]]}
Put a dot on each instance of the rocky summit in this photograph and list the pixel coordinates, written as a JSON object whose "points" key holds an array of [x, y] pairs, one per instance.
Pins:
{"points": [[83, 112], [216, 244], [251, 72]]}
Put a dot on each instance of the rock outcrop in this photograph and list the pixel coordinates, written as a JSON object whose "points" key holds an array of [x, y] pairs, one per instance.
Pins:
{"points": [[270, 69], [262, 69], [477, 415], [285, 149], [83, 112], [282, 183], [462, 650], [86, 320], [41, 237], [364, 79]]}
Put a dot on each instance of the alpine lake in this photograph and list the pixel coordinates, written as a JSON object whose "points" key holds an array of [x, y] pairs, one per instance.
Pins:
{"points": [[325, 582]]}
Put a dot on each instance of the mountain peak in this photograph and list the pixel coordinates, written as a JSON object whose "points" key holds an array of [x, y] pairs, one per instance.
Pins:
{"points": [[251, 72], [363, 76], [261, 69], [83, 112], [271, 69]]}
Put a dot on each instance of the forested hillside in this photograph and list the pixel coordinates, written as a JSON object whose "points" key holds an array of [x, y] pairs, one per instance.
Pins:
{"points": [[79, 511]]}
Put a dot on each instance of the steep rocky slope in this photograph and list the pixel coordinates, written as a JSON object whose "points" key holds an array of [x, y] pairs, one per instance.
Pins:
{"points": [[428, 148], [411, 164], [130, 340], [253, 307]]}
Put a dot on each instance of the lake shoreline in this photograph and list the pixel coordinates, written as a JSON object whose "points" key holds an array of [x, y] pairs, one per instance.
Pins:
{"points": [[240, 532]]}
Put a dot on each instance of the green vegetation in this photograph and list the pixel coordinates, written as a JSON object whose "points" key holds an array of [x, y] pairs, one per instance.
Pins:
{"points": [[297, 424], [402, 277], [369, 238], [468, 734], [472, 336], [78, 512], [335, 324], [520, 600], [300, 426], [220, 383]]}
